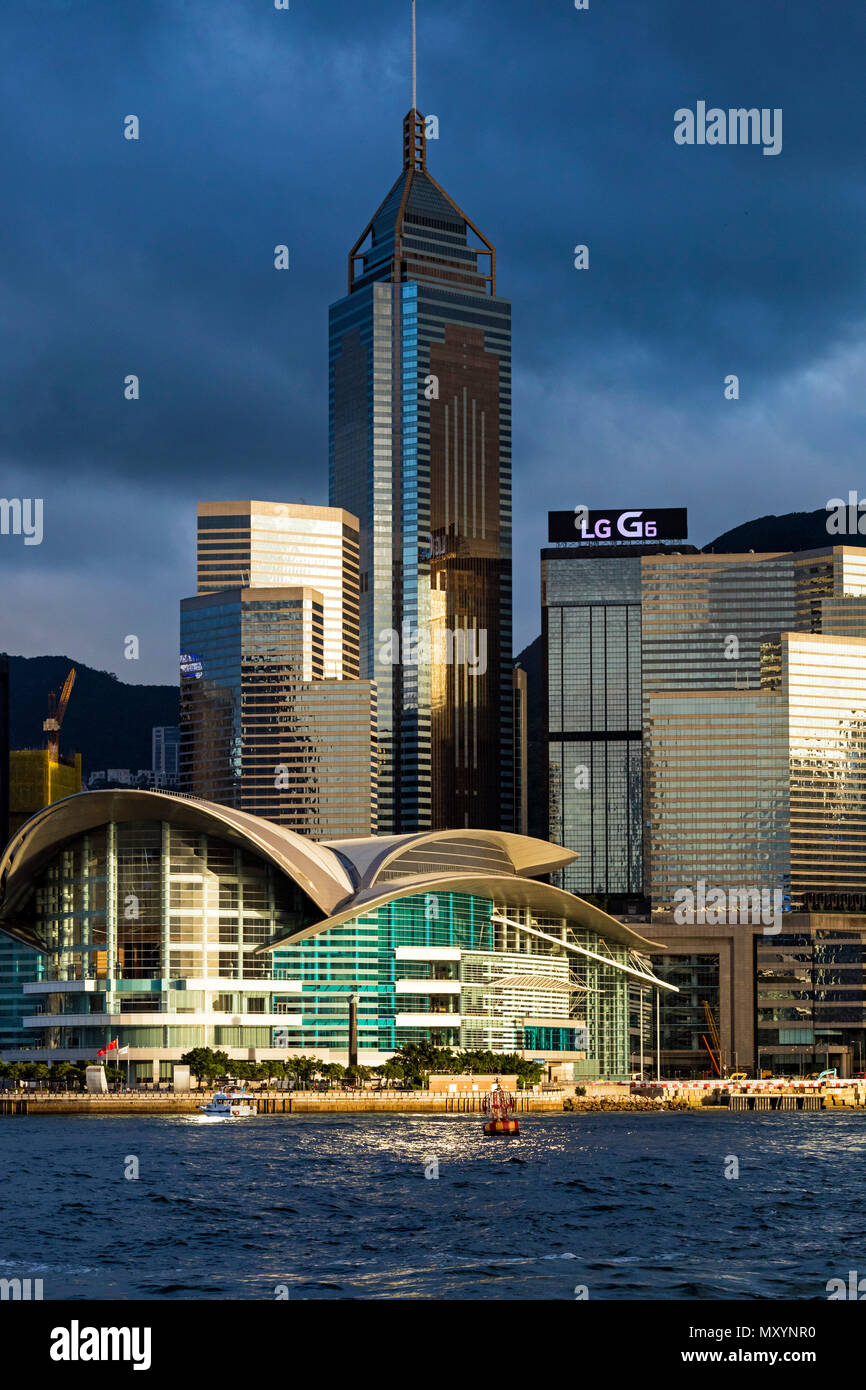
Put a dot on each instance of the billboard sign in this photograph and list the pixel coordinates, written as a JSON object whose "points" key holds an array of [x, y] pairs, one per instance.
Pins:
{"points": [[645, 524], [191, 667]]}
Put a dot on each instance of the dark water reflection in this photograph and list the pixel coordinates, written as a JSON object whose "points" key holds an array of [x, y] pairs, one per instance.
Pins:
{"points": [[339, 1207]]}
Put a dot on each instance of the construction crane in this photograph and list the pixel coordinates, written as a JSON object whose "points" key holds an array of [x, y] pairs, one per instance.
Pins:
{"points": [[56, 711], [715, 1055]]}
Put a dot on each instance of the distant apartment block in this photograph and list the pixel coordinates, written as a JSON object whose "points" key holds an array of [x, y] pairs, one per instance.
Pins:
{"points": [[165, 741]]}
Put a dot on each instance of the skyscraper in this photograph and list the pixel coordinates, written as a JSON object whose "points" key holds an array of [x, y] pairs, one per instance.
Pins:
{"points": [[260, 729], [420, 451], [277, 545], [591, 637], [765, 786], [592, 693], [756, 794]]}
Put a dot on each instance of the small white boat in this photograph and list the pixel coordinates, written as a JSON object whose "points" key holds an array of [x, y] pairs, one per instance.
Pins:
{"points": [[229, 1105]]}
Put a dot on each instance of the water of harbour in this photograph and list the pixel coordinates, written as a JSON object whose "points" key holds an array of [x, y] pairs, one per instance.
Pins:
{"points": [[629, 1206]]}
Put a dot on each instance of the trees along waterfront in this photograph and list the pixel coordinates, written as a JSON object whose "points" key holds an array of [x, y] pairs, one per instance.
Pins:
{"points": [[411, 1066], [58, 1076]]}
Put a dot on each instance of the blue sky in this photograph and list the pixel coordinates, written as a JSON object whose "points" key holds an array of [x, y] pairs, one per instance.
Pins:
{"points": [[261, 127]]}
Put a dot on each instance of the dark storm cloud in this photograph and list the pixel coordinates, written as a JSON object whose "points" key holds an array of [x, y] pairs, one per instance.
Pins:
{"points": [[261, 127]]}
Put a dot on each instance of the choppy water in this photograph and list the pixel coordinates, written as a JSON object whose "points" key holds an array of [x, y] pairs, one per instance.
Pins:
{"points": [[632, 1206]]}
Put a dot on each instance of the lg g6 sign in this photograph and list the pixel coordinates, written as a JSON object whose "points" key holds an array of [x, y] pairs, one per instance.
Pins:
{"points": [[648, 524]]}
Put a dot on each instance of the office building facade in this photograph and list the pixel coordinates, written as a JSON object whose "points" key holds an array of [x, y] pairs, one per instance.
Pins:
{"points": [[765, 785], [706, 716], [36, 778], [279, 545], [420, 451], [786, 1003], [591, 638], [625, 624], [760, 795], [261, 730], [521, 752]]}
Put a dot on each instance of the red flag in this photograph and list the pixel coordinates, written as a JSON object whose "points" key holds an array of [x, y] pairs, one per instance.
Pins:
{"points": [[112, 1047]]}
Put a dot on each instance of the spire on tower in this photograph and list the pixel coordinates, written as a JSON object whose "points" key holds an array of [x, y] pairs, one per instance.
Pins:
{"points": [[414, 126], [414, 61]]}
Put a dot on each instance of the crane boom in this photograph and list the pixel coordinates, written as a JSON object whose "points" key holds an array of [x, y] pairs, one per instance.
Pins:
{"points": [[64, 696], [714, 1034], [56, 711]]}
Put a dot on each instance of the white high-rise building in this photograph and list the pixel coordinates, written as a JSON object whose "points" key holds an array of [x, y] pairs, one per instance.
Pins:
{"points": [[281, 545]]}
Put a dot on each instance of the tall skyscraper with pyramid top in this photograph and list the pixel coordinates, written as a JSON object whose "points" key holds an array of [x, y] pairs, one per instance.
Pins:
{"points": [[420, 452]]}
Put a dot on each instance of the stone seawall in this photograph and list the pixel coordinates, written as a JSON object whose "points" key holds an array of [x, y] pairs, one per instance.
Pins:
{"points": [[268, 1103], [600, 1096]]}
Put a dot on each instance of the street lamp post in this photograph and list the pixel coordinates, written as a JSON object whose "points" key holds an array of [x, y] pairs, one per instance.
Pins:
{"points": [[658, 1034]]}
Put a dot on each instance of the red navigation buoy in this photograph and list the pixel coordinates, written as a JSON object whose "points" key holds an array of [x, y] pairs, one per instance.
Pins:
{"points": [[499, 1105]]}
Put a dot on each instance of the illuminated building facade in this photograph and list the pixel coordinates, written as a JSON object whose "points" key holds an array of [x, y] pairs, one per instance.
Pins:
{"points": [[764, 784], [786, 1003], [764, 788], [261, 730], [279, 545], [171, 923], [36, 778]]}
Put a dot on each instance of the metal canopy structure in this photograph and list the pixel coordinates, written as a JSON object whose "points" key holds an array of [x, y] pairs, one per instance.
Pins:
{"points": [[573, 947]]}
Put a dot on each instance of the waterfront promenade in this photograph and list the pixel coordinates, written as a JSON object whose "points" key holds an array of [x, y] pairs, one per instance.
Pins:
{"points": [[635, 1096], [268, 1102]]}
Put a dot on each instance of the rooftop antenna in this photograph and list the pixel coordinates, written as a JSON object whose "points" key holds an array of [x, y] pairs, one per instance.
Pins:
{"points": [[414, 60], [414, 130]]}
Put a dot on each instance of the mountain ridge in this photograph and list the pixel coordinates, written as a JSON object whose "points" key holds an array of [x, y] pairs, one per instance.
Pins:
{"points": [[107, 721]]}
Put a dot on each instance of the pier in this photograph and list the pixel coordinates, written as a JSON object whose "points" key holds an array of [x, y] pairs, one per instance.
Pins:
{"points": [[781, 1102], [777, 1094]]}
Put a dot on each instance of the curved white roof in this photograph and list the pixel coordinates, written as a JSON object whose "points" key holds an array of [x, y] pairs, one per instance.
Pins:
{"points": [[342, 877], [370, 857], [315, 867], [515, 890]]}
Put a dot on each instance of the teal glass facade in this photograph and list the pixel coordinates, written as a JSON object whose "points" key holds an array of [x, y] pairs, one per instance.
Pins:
{"points": [[456, 969], [20, 965]]}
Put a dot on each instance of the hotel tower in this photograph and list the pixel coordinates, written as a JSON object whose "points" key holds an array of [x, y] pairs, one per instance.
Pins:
{"points": [[420, 452]]}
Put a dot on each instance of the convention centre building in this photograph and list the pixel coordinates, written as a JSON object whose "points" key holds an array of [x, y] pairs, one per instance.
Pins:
{"points": [[168, 922]]}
